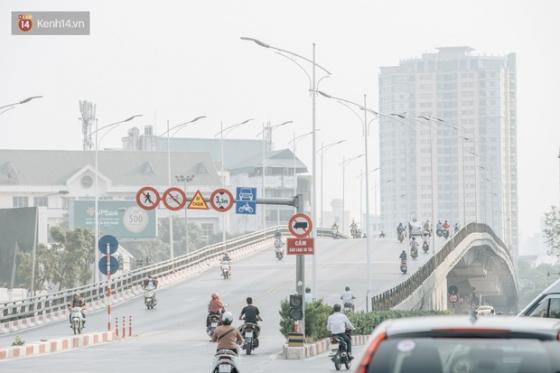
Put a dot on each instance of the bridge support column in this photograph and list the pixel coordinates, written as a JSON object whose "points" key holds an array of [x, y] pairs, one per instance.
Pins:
{"points": [[439, 296]]}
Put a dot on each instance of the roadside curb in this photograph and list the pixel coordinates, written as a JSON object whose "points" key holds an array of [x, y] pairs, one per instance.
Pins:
{"points": [[55, 345], [317, 348]]}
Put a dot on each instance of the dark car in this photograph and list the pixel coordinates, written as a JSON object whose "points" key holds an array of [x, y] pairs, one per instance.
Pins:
{"points": [[463, 345]]}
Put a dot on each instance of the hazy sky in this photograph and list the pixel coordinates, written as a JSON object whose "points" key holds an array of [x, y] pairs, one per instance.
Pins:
{"points": [[179, 59]]}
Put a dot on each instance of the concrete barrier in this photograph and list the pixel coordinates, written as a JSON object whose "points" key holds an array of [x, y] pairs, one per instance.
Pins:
{"points": [[55, 345], [317, 348]]}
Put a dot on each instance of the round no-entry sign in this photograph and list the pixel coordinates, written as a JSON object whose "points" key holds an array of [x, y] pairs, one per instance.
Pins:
{"points": [[174, 199], [221, 200], [300, 225], [148, 198]]}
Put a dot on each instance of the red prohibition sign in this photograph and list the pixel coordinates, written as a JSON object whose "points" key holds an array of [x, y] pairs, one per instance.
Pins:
{"points": [[221, 200], [300, 225], [148, 198], [174, 199]]}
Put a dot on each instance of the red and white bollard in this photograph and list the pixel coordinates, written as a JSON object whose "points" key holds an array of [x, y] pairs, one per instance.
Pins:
{"points": [[124, 326], [130, 326], [116, 326]]}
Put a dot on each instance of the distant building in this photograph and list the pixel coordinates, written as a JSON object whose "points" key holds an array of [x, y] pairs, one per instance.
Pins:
{"points": [[474, 159], [243, 164], [52, 179]]}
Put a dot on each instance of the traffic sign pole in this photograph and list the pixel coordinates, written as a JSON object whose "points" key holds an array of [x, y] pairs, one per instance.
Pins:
{"points": [[109, 290], [300, 268]]}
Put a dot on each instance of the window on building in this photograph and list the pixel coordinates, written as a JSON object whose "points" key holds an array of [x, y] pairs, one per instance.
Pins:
{"points": [[20, 201], [207, 229], [41, 201]]}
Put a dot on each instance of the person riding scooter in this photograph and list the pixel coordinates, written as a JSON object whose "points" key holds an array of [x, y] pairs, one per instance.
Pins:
{"points": [[77, 301], [225, 264], [413, 247], [150, 285], [228, 338], [348, 298], [215, 307], [337, 325], [251, 314]]}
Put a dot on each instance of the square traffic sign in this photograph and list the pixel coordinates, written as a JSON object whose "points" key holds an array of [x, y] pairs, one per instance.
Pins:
{"points": [[301, 246], [246, 201]]}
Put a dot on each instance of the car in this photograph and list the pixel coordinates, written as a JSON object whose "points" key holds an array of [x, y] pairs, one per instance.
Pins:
{"points": [[546, 304], [448, 344], [246, 194], [485, 310]]}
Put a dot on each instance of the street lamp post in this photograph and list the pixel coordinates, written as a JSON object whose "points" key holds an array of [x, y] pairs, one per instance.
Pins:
{"points": [[313, 88], [24, 101], [109, 127], [322, 150], [365, 125], [221, 134], [176, 128], [185, 179]]}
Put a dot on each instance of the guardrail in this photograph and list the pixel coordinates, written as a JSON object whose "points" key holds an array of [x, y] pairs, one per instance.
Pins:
{"points": [[402, 291], [55, 302]]}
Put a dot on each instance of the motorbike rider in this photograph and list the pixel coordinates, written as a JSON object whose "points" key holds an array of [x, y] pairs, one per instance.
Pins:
{"points": [[338, 324], [335, 228], [439, 226], [227, 336], [427, 227], [251, 314], [403, 256], [382, 234], [215, 307], [226, 261], [413, 244], [348, 298], [150, 283], [446, 225], [77, 301], [456, 227]]}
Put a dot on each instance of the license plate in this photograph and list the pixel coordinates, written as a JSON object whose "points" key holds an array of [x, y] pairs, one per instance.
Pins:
{"points": [[249, 334], [214, 324], [224, 368]]}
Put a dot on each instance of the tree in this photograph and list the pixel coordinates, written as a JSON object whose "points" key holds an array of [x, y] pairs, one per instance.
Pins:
{"points": [[551, 231]]}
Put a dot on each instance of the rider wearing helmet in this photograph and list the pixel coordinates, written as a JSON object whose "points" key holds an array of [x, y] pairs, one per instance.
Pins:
{"points": [[348, 298], [77, 301], [227, 336], [338, 324], [215, 307]]}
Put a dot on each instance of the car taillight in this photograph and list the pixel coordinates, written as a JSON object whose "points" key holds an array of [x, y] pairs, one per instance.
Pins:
{"points": [[362, 368]]}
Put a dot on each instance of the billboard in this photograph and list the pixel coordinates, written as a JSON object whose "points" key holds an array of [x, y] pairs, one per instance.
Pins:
{"points": [[122, 219]]}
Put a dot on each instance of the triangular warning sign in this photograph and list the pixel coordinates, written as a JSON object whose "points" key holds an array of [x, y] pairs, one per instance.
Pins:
{"points": [[198, 202]]}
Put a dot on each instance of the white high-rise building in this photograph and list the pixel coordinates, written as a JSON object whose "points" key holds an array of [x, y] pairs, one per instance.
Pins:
{"points": [[461, 165]]}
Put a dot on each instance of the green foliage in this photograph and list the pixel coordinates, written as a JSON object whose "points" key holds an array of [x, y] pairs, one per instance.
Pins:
{"points": [[66, 263], [18, 341], [532, 281], [317, 313]]}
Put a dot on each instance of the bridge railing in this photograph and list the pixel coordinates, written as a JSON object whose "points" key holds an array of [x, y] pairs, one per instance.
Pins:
{"points": [[402, 291], [44, 305]]}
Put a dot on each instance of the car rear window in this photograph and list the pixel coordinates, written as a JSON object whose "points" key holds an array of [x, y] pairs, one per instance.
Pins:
{"points": [[466, 355]]}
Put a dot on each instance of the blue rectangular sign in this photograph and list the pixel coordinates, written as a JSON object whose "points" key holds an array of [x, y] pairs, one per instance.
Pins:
{"points": [[246, 201]]}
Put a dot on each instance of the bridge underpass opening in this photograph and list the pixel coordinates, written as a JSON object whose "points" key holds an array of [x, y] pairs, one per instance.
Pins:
{"points": [[481, 278]]}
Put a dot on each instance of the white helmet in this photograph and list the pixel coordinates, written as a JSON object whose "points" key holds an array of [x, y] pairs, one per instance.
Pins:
{"points": [[227, 317]]}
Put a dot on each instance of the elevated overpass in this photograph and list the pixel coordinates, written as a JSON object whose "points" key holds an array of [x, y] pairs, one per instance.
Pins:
{"points": [[474, 261]]}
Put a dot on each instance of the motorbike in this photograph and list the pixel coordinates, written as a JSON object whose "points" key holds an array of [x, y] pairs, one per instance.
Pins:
{"points": [[249, 333], [150, 299], [443, 233], [414, 252], [348, 307], [279, 254], [76, 320], [226, 270], [214, 322], [224, 362], [403, 266], [339, 354], [425, 247]]}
